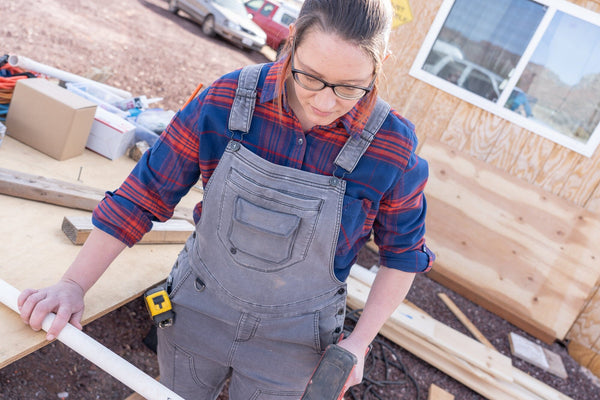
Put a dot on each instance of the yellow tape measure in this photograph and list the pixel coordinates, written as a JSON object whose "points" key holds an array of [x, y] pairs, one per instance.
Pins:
{"points": [[159, 306]]}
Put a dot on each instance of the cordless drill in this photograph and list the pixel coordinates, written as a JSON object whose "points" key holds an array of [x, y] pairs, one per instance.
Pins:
{"points": [[329, 379]]}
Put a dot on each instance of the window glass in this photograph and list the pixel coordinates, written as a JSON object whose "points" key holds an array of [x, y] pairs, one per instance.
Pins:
{"points": [[267, 10], [535, 63], [490, 34], [255, 4], [560, 87], [287, 19]]}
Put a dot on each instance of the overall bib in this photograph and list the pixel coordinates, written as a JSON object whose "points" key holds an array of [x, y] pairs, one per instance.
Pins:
{"points": [[254, 290]]}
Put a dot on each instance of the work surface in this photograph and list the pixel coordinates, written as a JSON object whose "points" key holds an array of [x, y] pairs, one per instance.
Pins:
{"points": [[35, 252]]}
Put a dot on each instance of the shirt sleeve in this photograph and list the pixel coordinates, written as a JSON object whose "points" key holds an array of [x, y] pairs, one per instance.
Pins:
{"points": [[164, 174], [400, 224]]}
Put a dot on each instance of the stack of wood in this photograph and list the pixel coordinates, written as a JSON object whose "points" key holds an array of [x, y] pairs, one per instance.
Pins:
{"points": [[470, 362]]}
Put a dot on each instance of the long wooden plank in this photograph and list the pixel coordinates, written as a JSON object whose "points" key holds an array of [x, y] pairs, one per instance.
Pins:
{"points": [[416, 336], [78, 228], [59, 192], [48, 190], [513, 248], [465, 320]]}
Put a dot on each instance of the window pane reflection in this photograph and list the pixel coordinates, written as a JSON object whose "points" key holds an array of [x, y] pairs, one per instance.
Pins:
{"points": [[561, 83], [482, 41]]}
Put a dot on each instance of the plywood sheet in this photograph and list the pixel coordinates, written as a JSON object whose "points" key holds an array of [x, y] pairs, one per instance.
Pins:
{"points": [[35, 252], [527, 255]]}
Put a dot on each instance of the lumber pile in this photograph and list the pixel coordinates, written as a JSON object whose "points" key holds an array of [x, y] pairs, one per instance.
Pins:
{"points": [[472, 363]]}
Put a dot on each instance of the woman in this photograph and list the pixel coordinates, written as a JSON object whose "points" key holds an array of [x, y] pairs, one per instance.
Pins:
{"points": [[300, 161]]}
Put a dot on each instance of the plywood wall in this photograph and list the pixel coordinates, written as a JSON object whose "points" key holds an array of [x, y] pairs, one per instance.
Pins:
{"points": [[477, 132], [523, 154]]}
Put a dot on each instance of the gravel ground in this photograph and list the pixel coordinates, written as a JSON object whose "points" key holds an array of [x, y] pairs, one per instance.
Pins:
{"points": [[139, 46]]}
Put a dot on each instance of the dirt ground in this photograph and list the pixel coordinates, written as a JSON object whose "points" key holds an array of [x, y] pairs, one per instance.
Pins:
{"points": [[139, 46]]}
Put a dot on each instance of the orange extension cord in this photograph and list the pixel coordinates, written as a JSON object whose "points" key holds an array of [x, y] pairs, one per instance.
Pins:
{"points": [[7, 83]]}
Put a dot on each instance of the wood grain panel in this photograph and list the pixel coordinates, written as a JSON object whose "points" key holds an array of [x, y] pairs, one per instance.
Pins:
{"points": [[529, 256], [586, 329], [508, 146], [483, 139], [556, 169], [583, 181], [592, 5], [533, 155], [440, 112], [462, 125]]}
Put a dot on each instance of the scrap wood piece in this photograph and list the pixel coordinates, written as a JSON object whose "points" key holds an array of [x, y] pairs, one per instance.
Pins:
{"points": [[450, 351], [437, 393], [464, 320], [449, 339], [78, 228], [48, 190], [535, 354], [61, 193]]}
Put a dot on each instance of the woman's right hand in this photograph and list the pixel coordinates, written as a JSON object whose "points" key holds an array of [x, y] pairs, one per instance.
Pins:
{"points": [[65, 299]]}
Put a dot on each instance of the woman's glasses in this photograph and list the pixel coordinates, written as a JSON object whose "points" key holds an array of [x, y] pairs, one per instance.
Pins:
{"points": [[313, 83]]}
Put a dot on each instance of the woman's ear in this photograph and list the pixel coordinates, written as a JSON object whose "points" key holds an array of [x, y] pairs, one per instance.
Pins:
{"points": [[292, 30]]}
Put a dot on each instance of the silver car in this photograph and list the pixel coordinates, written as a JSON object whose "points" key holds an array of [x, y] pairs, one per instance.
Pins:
{"points": [[226, 18]]}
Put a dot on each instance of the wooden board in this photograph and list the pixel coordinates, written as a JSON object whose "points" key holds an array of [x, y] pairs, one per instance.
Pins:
{"points": [[437, 393], [484, 370], [35, 252], [78, 228], [526, 255]]}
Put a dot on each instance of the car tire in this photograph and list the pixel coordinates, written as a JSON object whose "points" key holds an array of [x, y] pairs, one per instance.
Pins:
{"points": [[208, 26], [173, 6]]}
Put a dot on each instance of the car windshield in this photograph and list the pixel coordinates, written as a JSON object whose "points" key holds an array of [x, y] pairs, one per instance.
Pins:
{"points": [[234, 5]]}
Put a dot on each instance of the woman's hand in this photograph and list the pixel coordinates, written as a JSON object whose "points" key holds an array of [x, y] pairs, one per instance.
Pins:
{"points": [[360, 351], [65, 298]]}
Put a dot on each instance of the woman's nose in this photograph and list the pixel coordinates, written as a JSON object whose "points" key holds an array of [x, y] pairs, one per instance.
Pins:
{"points": [[325, 99]]}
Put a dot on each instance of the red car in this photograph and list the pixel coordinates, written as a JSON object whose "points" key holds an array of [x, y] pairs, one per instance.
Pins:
{"points": [[274, 17]]}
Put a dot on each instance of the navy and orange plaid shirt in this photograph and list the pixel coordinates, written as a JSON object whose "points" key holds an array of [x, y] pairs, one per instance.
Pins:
{"points": [[384, 193]]}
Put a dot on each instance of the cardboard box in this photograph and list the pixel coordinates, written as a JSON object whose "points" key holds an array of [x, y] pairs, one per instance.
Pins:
{"points": [[111, 135], [49, 118]]}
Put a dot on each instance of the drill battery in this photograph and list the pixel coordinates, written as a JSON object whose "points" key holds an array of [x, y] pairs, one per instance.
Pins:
{"points": [[329, 379], [159, 306]]}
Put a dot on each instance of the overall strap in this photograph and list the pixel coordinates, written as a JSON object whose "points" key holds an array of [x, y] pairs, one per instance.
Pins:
{"points": [[245, 99], [356, 146]]}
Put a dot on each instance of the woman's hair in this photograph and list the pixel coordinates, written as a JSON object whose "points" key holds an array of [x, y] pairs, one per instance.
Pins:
{"points": [[365, 23]]}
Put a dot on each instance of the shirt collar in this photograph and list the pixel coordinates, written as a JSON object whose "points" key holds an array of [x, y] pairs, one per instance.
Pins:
{"points": [[353, 121]]}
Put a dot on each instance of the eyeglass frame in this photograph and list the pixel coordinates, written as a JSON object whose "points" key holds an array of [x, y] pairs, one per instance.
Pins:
{"points": [[326, 84]]}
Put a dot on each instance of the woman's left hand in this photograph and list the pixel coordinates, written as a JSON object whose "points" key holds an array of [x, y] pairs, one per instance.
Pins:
{"points": [[359, 350]]}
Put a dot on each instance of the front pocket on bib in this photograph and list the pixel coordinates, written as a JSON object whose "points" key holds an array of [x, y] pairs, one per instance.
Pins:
{"points": [[263, 227]]}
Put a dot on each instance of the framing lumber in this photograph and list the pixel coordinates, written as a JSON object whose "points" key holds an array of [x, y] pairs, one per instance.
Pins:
{"points": [[61, 193], [484, 370], [465, 320], [48, 190], [78, 228]]}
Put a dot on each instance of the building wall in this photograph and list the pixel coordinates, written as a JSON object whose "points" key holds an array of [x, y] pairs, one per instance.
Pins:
{"points": [[439, 115]]}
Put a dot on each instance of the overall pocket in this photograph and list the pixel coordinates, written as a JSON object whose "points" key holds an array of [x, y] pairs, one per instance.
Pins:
{"points": [[264, 227]]}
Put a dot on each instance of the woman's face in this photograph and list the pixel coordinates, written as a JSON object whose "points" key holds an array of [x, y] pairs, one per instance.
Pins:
{"points": [[334, 61]]}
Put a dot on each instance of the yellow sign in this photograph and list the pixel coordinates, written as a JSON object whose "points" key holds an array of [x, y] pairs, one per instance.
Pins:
{"points": [[402, 13]]}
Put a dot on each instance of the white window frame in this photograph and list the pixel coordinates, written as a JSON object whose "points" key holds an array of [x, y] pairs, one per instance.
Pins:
{"points": [[497, 107]]}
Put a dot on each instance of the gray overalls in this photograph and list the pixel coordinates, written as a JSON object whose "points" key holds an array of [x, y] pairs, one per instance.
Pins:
{"points": [[254, 291]]}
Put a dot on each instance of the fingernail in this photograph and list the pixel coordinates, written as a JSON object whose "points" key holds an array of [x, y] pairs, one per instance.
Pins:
{"points": [[50, 337]]}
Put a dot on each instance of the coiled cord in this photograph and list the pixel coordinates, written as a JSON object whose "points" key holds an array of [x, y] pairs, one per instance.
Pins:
{"points": [[382, 355]]}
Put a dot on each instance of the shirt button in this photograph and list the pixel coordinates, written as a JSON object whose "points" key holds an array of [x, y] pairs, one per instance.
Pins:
{"points": [[300, 141]]}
